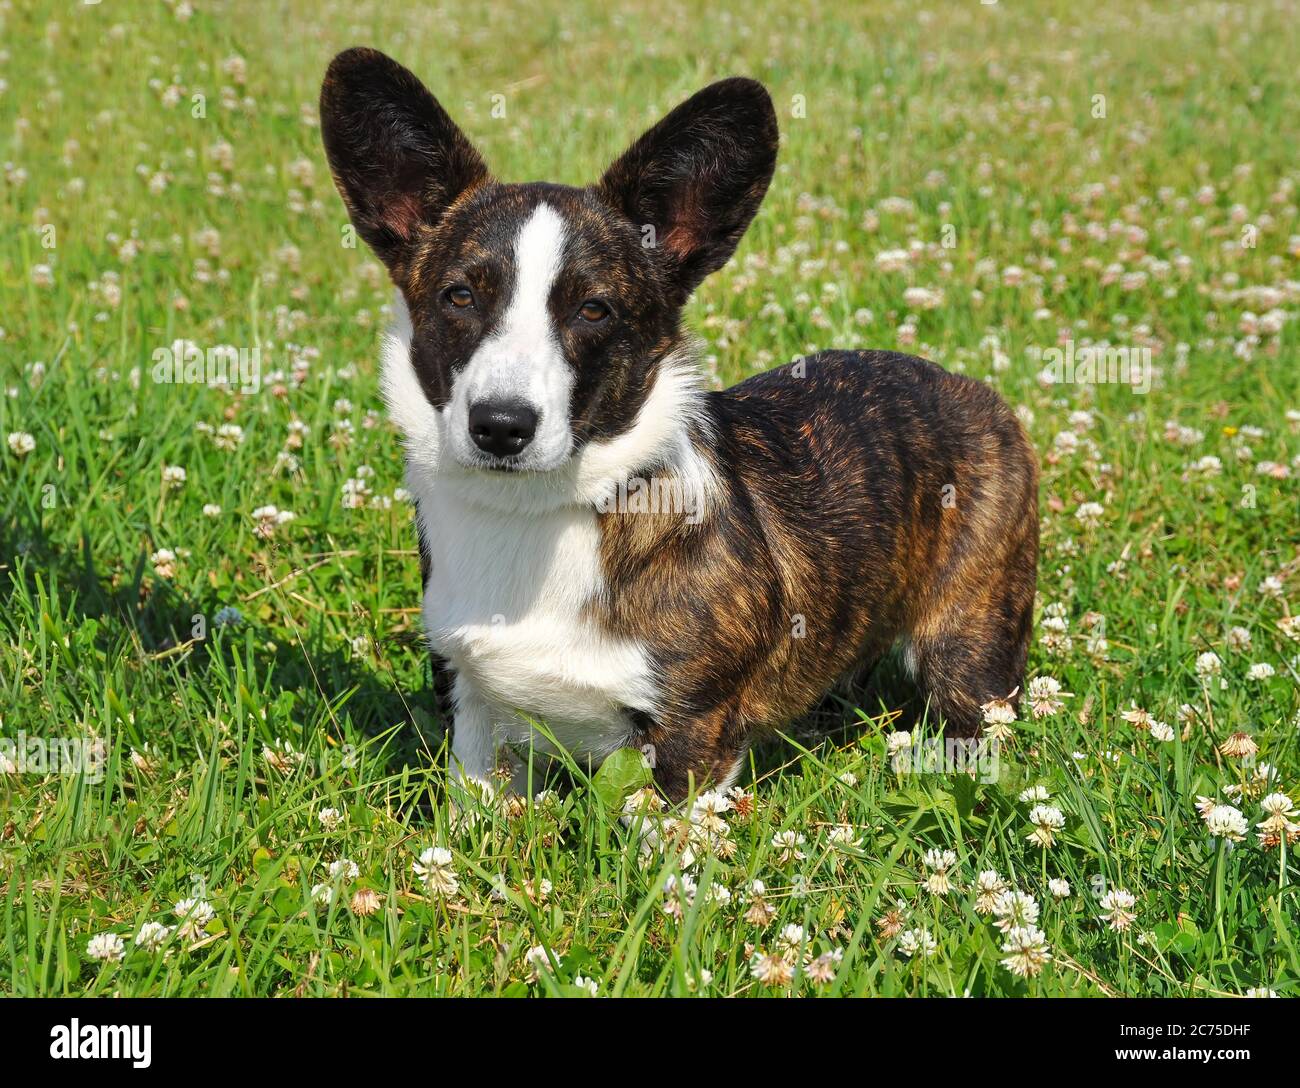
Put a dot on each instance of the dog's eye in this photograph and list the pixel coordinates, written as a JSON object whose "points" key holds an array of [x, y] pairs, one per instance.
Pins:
{"points": [[459, 296], [593, 311]]}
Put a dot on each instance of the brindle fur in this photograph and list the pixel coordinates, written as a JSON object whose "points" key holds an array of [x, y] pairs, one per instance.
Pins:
{"points": [[866, 498], [870, 497]]}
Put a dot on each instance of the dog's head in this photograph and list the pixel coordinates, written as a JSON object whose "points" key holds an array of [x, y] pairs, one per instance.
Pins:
{"points": [[539, 312]]}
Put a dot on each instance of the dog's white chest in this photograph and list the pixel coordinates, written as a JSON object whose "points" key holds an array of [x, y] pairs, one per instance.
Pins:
{"points": [[506, 604]]}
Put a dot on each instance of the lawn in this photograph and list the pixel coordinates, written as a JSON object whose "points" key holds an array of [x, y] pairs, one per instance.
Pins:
{"points": [[221, 769]]}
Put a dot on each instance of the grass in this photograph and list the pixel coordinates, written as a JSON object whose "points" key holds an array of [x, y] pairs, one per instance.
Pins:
{"points": [[1162, 215]]}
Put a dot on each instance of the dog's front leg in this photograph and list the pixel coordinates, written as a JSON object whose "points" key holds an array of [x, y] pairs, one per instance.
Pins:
{"points": [[473, 741], [706, 751]]}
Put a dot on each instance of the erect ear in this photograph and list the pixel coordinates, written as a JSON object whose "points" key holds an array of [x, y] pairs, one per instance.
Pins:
{"points": [[398, 160], [698, 177]]}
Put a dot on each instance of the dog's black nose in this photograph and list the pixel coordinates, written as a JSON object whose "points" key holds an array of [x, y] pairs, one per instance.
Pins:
{"points": [[502, 430]]}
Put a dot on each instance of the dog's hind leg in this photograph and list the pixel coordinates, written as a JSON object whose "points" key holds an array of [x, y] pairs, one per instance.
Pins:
{"points": [[974, 650]]}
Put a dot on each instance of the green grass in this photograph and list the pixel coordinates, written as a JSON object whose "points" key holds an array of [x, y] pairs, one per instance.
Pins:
{"points": [[980, 118]]}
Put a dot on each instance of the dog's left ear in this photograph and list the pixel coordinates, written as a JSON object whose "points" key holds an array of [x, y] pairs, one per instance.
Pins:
{"points": [[698, 177]]}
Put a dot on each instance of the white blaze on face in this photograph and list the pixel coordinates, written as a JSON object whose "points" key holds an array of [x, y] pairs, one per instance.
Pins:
{"points": [[522, 361]]}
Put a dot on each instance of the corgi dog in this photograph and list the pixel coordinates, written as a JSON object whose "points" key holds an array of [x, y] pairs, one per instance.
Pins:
{"points": [[613, 554]]}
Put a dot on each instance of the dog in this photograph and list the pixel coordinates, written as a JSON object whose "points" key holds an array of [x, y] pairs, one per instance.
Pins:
{"points": [[609, 549]]}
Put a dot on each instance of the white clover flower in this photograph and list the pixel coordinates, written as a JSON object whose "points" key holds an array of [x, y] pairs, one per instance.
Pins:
{"points": [[344, 869], [1271, 587], [1047, 820], [21, 443], [153, 935], [1044, 694], [1027, 951], [898, 741], [539, 958], [164, 562], [1014, 908], [1089, 514], [1162, 732], [988, 886], [914, 942], [194, 915], [434, 868], [786, 844], [108, 947], [1117, 906], [771, 969], [1059, 888], [844, 836]]}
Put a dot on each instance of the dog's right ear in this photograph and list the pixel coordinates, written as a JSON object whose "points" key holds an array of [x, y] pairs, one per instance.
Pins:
{"points": [[398, 160]]}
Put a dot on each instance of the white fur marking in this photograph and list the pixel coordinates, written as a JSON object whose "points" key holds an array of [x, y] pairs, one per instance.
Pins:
{"points": [[522, 362]]}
